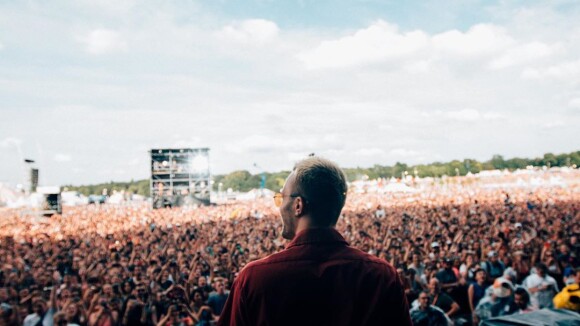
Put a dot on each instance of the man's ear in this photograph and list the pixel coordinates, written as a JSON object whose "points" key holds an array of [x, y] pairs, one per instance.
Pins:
{"points": [[299, 207]]}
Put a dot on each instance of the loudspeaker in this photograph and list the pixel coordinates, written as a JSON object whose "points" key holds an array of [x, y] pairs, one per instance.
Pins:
{"points": [[33, 179]]}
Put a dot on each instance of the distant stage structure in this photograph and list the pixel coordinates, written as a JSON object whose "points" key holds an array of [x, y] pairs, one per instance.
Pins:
{"points": [[180, 177]]}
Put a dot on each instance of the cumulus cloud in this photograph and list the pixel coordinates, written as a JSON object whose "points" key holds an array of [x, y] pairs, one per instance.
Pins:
{"points": [[111, 6], [10, 142], [380, 41], [393, 74], [251, 31], [257, 143], [464, 115], [104, 41], [135, 161], [493, 116], [523, 54], [59, 157], [574, 103], [418, 67], [562, 70], [469, 115], [188, 143], [553, 124], [531, 73], [369, 152], [480, 39], [301, 144], [418, 51], [403, 152]]}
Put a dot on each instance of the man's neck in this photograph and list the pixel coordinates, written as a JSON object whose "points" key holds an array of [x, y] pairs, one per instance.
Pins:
{"points": [[305, 224]]}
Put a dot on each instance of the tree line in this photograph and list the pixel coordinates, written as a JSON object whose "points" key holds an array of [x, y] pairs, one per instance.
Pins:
{"points": [[245, 181]]}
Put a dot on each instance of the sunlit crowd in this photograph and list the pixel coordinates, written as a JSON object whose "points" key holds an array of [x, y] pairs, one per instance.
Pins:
{"points": [[464, 254]]}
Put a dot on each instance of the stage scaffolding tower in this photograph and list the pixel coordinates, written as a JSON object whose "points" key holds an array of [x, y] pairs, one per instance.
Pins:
{"points": [[180, 177]]}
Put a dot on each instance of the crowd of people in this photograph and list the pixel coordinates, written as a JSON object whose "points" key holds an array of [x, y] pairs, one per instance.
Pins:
{"points": [[463, 253]]}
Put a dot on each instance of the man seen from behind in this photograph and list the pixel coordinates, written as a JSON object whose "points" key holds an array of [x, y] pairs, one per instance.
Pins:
{"points": [[318, 279]]}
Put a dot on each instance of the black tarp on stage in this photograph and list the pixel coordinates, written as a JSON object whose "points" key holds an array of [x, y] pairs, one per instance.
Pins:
{"points": [[544, 317]]}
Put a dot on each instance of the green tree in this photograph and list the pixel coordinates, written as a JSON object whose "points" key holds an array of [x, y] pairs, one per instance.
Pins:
{"points": [[244, 181], [236, 180], [498, 162], [550, 160]]}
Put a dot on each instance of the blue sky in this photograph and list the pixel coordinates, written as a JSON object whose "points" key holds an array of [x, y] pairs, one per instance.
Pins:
{"points": [[88, 87]]}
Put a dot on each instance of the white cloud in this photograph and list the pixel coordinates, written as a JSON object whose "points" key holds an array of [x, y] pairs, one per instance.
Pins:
{"points": [[523, 54], [464, 115], [10, 141], [135, 161], [192, 142], [257, 143], [59, 157], [402, 152], [568, 70], [493, 116], [531, 73], [262, 144], [104, 41], [480, 39], [251, 31], [574, 103], [382, 42], [378, 42], [553, 124], [418, 67], [296, 156], [1, 46], [369, 152], [188, 65], [111, 6]]}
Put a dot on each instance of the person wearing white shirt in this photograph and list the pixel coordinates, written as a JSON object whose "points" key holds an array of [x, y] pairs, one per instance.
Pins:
{"points": [[541, 286], [41, 313]]}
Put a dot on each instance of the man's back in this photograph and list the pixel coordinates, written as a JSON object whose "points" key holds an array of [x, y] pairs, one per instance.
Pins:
{"points": [[317, 280]]}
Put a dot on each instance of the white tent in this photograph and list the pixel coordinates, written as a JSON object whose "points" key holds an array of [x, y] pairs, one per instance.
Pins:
{"points": [[254, 194], [398, 187]]}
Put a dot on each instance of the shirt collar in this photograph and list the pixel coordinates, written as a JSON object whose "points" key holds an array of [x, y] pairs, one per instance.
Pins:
{"points": [[317, 235]]}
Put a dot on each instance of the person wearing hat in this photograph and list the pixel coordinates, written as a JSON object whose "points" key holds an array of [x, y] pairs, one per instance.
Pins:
{"points": [[493, 266], [510, 274], [569, 297], [447, 277], [499, 302]]}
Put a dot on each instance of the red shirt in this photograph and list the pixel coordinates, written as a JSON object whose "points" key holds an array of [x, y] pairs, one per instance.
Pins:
{"points": [[317, 280]]}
